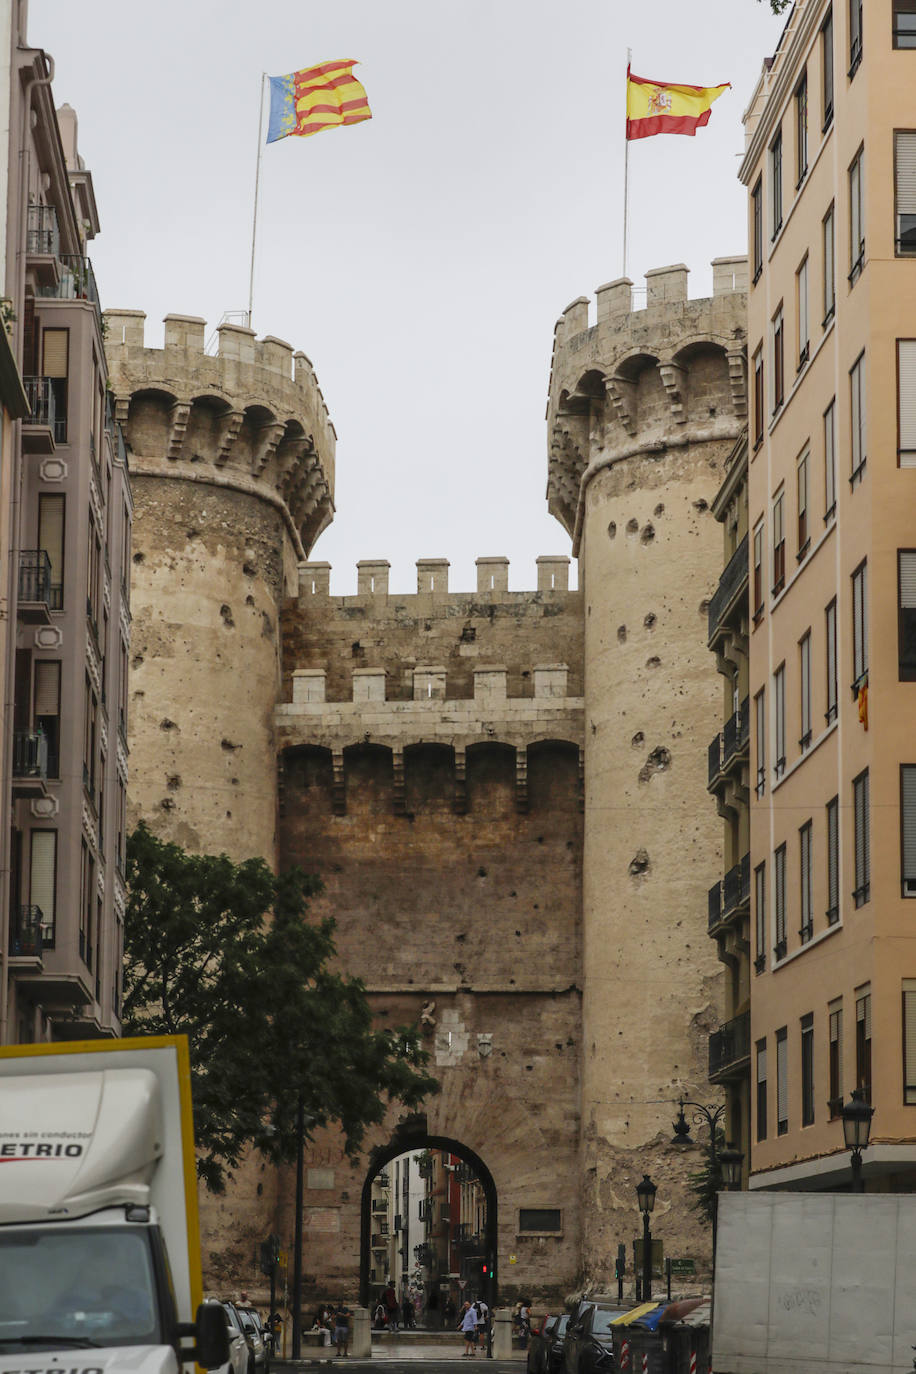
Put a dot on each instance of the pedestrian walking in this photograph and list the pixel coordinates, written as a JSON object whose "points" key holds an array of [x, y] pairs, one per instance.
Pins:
{"points": [[482, 1312], [390, 1299], [468, 1329], [342, 1329]]}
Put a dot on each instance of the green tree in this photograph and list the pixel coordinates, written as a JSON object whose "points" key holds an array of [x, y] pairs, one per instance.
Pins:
{"points": [[778, 6], [706, 1182], [224, 953]]}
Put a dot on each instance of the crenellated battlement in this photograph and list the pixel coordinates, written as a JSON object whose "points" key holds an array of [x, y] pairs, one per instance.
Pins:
{"points": [[671, 373], [372, 575], [250, 417]]}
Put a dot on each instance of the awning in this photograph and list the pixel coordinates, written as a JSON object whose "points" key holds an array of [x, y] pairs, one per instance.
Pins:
{"points": [[629, 1318]]}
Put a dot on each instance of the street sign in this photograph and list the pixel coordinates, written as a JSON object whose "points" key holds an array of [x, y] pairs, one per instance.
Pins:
{"points": [[513, 1259], [683, 1266]]}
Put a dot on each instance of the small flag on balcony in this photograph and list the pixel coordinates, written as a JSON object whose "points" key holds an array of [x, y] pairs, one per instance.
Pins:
{"points": [[660, 107], [863, 704], [316, 98]]}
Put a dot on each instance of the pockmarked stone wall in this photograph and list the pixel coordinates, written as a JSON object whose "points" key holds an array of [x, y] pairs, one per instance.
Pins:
{"points": [[644, 407], [442, 810]]}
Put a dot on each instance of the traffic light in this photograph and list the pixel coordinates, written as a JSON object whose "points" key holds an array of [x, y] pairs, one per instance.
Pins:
{"points": [[270, 1254], [486, 1270]]}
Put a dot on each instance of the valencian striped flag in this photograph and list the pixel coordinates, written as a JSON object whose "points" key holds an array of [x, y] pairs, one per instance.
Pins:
{"points": [[659, 107], [317, 98]]}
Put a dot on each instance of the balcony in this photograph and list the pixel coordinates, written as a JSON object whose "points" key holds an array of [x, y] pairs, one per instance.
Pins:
{"points": [[34, 604], [730, 1050], [730, 597], [736, 736], [28, 935], [30, 763], [715, 905], [43, 427], [736, 888], [76, 282], [43, 245]]}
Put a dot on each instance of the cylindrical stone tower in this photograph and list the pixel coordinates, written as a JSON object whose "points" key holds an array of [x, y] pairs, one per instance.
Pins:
{"points": [[232, 474], [644, 407]]}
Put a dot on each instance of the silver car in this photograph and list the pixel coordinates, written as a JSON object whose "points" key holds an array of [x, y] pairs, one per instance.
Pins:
{"points": [[238, 1346]]}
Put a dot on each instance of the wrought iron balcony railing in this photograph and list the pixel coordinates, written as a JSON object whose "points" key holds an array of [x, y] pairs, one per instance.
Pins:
{"points": [[26, 931], [43, 233], [34, 576], [77, 281], [731, 584], [730, 1045], [30, 754]]}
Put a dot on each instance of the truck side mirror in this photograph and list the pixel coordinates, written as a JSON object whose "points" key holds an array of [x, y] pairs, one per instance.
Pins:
{"points": [[212, 1333]]}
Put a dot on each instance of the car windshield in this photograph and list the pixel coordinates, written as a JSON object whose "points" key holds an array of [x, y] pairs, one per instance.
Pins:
{"points": [[602, 1318], [562, 1323], [92, 1286]]}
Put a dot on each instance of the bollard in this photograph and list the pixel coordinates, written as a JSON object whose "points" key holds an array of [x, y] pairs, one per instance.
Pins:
{"points": [[502, 1333], [360, 1334]]}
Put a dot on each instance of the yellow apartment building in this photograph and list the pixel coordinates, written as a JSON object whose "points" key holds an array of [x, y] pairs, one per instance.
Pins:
{"points": [[830, 168]]}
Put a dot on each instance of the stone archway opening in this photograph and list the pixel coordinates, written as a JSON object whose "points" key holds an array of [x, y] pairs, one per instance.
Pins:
{"points": [[429, 1227]]}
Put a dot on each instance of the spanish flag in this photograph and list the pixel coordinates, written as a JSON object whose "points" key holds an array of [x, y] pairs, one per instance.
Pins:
{"points": [[316, 98], [862, 701], [658, 107]]}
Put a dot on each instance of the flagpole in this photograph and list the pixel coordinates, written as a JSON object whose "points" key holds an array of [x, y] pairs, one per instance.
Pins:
{"points": [[257, 178], [626, 171]]}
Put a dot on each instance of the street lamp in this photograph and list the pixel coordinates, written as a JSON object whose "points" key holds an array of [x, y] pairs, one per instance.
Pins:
{"points": [[645, 1196], [731, 1162], [857, 1115]]}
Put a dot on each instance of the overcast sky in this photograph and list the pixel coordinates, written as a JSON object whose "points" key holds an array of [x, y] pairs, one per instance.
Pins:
{"points": [[422, 258]]}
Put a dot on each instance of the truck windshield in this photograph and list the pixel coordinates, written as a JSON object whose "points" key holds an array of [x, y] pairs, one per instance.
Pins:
{"points": [[92, 1286]]}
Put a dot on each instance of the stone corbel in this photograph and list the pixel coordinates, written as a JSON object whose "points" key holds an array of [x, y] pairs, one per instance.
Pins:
{"points": [[179, 416], [674, 380], [521, 780], [233, 423], [622, 394], [737, 380], [268, 437]]}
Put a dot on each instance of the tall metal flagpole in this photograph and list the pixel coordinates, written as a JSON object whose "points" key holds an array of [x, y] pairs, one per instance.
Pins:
{"points": [[626, 171], [257, 178]]}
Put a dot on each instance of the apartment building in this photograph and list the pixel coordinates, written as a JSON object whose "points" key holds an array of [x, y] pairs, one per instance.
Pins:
{"points": [[66, 519], [830, 168]]}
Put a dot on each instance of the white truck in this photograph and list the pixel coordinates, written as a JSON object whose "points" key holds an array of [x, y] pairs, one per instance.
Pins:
{"points": [[815, 1283], [99, 1245]]}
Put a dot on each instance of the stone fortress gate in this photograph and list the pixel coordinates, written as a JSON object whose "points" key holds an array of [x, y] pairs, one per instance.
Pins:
{"points": [[504, 792]]}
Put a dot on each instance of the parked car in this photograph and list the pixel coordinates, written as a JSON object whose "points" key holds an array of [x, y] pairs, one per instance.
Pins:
{"points": [[258, 1343], [588, 1344], [545, 1347], [238, 1346]]}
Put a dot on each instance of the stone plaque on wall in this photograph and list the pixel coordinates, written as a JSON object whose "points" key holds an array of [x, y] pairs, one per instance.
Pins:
{"points": [[323, 1219], [320, 1178]]}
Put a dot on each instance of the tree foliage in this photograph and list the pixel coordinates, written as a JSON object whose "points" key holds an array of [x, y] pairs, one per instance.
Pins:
{"points": [[779, 6], [706, 1182], [224, 954]]}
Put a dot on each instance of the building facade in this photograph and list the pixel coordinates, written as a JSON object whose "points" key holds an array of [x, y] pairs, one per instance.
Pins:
{"points": [[66, 527], [831, 494]]}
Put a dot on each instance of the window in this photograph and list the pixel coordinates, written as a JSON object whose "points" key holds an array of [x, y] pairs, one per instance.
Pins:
{"points": [[759, 398], [760, 717], [807, 1069], [55, 349], [776, 184], [859, 627], [93, 577], [862, 890], [906, 614], [779, 896], [906, 403], [801, 130], [51, 512], [782, 1081], [757, 227], [858, 442], [835, 1058], [779, 544], [801, 301], [905, 23], [827, 69], [801, 487], [779, 360], [830, 462], [540, 1219], [908, 829], [830, 627], [909, 1041], [833, 861], [761, 1048], [89, 740], [87, 890], [855, 35], [804, 683], [779, 740], [43, 881], [758, 571], [829, 267], [856, 216], [804, 883], [905, 190], [863, 1042], [760, 916], [46, 712]]}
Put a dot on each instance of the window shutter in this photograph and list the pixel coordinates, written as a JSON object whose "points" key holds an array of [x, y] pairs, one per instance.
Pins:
{"points": [[909, 1040], [54, 350], [833, 859], [782, 1078], [47, 687], [863, 1014], [907, 579], [44, 864], [906, 401], [51, 532], [906, 173], [908, 828]]}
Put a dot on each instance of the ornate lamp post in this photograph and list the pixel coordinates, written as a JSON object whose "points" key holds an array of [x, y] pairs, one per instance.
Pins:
{"points": [[645, 1196], [727, 1162], [857, 1115]]}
